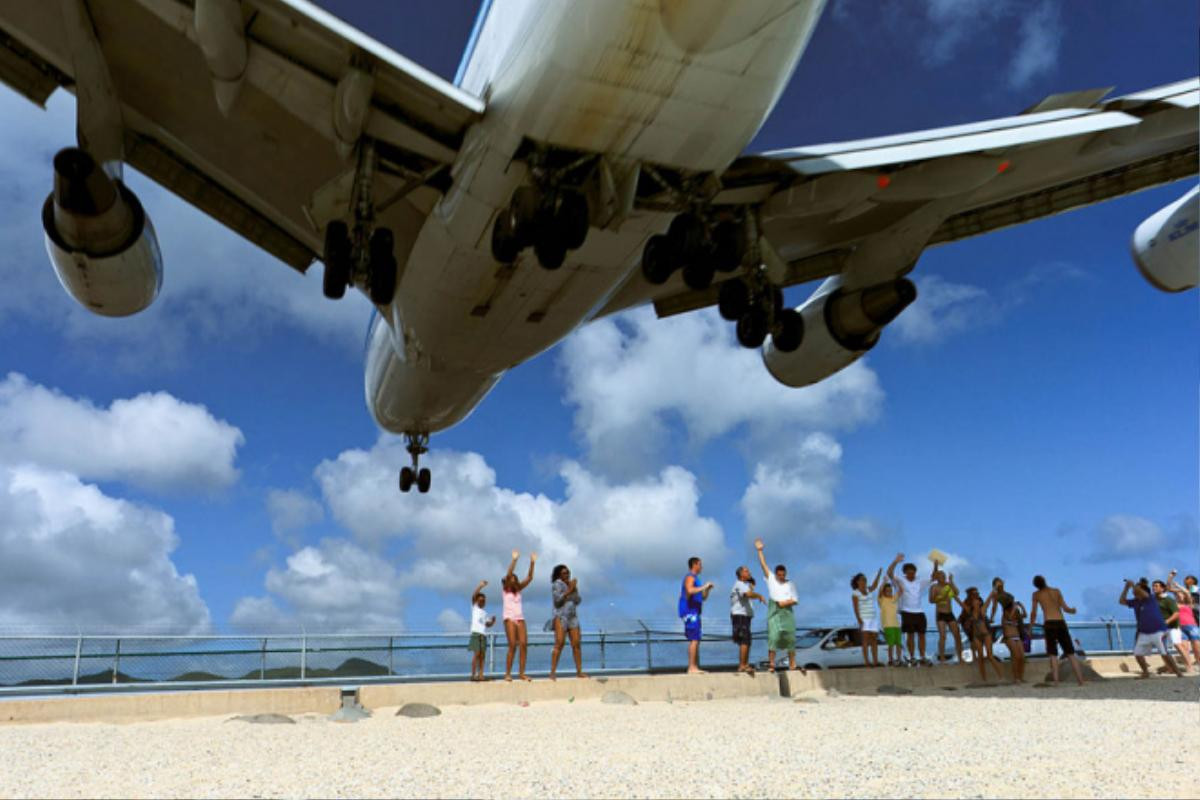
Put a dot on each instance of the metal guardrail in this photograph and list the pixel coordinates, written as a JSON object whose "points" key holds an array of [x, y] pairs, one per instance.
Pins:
{"points": [[38, 664]]}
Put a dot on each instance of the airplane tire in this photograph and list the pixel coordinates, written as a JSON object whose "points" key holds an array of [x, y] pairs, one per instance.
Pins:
{"points": [[658, 259], [728, 247], [336, 255], [524, 211], [571, 218], [733, 299], [407, 477], [789, 331], [687, 235], [698, 274], [752, 328], [381, 281], [550, 249], [505, 247], [424, 479]]}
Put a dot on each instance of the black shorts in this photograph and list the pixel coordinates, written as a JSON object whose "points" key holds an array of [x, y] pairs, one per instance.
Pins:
{"points": [[913, 622], [1058, 637], [945, 616], [741, 628]]}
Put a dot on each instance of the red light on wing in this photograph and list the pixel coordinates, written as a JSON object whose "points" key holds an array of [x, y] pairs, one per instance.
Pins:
{"points": [[1003, 166], [883, 181]]}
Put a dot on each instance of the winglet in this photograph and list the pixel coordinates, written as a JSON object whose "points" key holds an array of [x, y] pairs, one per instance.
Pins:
{"points": [[1084, 98]]}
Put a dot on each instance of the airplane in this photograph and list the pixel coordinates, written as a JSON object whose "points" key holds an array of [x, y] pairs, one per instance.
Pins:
{"points": [[588, 158]]}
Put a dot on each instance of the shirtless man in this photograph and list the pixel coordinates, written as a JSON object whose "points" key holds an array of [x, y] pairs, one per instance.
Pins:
{"points": [[1050, 600]]}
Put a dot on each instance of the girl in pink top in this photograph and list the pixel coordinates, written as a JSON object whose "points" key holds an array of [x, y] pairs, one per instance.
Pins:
{"points": [[514, 618]]}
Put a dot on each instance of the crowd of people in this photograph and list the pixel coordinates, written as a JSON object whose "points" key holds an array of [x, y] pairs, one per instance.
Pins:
{"points": [[892, 605]]}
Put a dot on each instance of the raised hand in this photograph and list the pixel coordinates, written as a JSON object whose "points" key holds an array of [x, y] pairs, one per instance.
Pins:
{"points": [[758, 545], [532, 557], [482, 584], [516, 554]]}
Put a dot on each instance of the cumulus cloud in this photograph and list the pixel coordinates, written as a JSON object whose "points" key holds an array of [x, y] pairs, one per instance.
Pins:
{"points": [[153, 440], [334, 586], [451, 621], [1038, 45], [630, 376], [942, 308], [216, 286], [464, 529], [792, 498], [77, 559], [292, 510], [1120, 536]]}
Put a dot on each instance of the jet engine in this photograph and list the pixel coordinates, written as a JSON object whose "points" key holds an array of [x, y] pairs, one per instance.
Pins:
{"points": [[839, 327], [99, 239], [1165, 245]]}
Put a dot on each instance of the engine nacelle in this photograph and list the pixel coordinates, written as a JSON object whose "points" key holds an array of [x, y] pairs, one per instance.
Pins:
{"points": [[99, 238], [1165, 245], [839, 327]]}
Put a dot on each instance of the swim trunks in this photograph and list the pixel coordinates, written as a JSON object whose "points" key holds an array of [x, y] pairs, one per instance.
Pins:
{"points": [[691, 627], [1057, 636], [913, 622], [741, 628]]}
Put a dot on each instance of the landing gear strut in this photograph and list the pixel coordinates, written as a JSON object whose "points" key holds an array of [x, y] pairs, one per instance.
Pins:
{"points": [[417, 445], [363, 254]]}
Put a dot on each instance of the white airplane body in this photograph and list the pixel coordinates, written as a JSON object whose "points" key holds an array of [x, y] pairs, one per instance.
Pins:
{"points": [[589, 160]]}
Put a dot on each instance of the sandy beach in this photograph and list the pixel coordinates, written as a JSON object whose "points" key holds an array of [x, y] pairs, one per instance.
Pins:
{"points": [[1120, 737]]}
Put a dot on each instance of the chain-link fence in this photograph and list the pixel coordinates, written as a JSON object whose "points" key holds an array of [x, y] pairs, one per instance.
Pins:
{"points": [[30, 663]]}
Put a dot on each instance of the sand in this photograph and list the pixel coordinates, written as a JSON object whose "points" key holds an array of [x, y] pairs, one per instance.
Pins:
{"points": [[1122, 737]]}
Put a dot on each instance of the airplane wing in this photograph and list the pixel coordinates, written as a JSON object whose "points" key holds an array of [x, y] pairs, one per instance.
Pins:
{"points": [[234, 108], [866, 209]]}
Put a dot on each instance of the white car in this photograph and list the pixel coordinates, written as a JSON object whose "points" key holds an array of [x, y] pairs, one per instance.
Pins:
{"points": [[830, 648]]}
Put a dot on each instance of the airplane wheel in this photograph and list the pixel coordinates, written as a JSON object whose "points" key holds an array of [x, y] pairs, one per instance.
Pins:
{"points": [[733, 299], [658, 259], [777, 299], [524, 215], [571, 218], [752, 328], [424, 478], [336, 255], [698, 274], [728, 247], [789, 331], [382, 277], [505, 247], [687, 235], [550, 249], [406, 478]]}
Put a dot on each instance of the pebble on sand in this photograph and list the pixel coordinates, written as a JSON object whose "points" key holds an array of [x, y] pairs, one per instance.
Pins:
{"points": [[417, 710], [618, 699], [264, 719]]}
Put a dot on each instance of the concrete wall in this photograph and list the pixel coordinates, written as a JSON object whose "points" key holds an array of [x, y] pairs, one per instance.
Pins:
{"points": [[644, 688]]}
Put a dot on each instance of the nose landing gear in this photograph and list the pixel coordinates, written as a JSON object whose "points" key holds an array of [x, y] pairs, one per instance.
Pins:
{"points": [[417, 444]]}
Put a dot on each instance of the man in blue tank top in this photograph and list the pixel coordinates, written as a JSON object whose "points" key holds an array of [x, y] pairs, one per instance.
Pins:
{"points": [[692, 595]]}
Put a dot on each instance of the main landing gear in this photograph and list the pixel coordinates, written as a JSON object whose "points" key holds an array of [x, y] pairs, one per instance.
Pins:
{"points": [[552, 221], [362, 254], [417, 445], [757, 307]]}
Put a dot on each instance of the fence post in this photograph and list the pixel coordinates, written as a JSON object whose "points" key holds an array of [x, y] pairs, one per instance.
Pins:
{"points": [[78, 654], [303, 655], [491, 653], [1108, 630], [116, 661], [649, 658], [602, 648], [262, 667], [391, 656]]}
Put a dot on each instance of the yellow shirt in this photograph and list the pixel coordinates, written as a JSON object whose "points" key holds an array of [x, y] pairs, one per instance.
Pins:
{"points": [[887, 609]]}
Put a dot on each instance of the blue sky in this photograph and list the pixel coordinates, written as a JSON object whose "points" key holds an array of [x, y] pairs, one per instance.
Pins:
{"points": [[211, 463]]}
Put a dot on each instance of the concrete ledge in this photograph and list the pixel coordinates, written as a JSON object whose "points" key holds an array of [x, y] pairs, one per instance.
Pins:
{"points": [[643, 688], [171, 705]]}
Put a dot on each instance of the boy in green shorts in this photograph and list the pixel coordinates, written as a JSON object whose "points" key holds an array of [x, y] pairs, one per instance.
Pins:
{"points": [[890, 618], [480, 622]]}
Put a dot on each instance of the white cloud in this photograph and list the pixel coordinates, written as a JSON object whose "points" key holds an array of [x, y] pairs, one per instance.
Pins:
{"points": [[954, 24], [216, 285], [942, 308], [1121, 536], [152, 440], [463, 530], [75, 558], [1039, 42], [335, 586], [629, 377], [791, 498], [292, 510], [451, 621]]}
